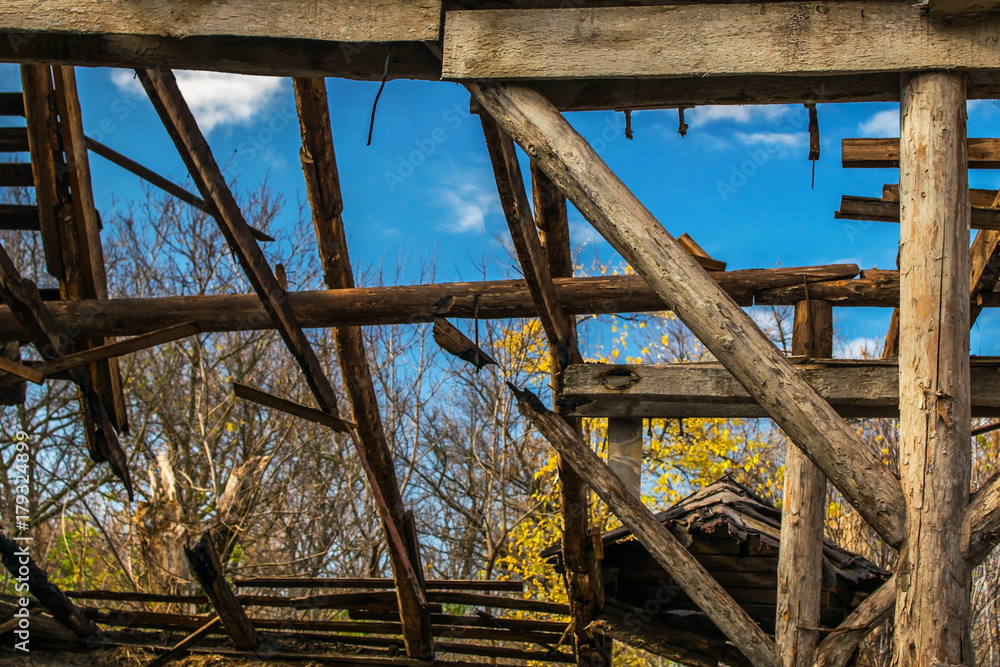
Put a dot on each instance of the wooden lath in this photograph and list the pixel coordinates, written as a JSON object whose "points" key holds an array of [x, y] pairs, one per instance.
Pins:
{"points": [[319, 166]]}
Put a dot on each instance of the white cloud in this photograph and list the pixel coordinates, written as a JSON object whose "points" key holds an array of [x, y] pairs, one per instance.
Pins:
{"points": [[583, 233], [468, 205], [216, 99], [783, 139], [882, 124], [860, 348], [700, 116]]}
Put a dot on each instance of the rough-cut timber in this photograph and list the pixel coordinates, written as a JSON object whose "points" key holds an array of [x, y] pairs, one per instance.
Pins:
{"points": [[625, 451], [457, 344], [883, 210], [984, 153], [319, 167], [408, 304], [256, 21], [16, 556], [800, 554], [204, 561], [712, 316], [854, 388], [933, 579], [960, 7], [698, 584], [712, 40]]}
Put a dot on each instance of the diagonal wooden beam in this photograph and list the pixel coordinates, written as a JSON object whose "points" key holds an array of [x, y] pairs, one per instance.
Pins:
{"points": [[696, 582], [161, 86], [728, 332], [319, 167], [22, 297], [204, 561], [291, 407], [183, 647]]}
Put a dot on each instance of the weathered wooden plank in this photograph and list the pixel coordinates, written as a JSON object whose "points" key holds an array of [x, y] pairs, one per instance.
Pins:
{"points": [[862, 389], [959, 7], [803, 511], [16, 175], [182, 648], [710, 597], [319, 167], [875, 288], [20, 217], [984, 153], [933, 616], [204, 561], [13, 140], [11, 104], [457, 344], [322, 20], [711, 39], [882, 210], [625, 451], [17, 559], [290, 407], [402, 304], [328, 582]]}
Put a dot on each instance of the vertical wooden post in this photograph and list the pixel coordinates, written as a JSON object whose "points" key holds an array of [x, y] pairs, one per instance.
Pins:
{"points": [[932, 604], [800, 557], [625, 451]]}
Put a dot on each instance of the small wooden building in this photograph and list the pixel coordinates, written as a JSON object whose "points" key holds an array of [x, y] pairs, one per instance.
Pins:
{"points": [[735, 536]]}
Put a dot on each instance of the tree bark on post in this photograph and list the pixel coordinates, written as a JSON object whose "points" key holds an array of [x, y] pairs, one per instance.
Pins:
{"points": [[933, 578], [800, 557]]}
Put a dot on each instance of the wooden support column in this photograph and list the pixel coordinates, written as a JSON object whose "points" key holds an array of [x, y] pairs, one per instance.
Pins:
{"points": [[712, 316], [540, 264], [625, 451], [933, 578], [319, 166], [800, 556]]}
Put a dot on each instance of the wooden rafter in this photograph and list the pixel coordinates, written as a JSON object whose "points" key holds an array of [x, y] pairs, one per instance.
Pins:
{"points": [[204, 561], [696, 299], [319, 166], [984, 153], [161, 86]]}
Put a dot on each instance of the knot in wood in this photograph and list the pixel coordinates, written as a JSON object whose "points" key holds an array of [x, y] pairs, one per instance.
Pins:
{"points": [[619, 379]]}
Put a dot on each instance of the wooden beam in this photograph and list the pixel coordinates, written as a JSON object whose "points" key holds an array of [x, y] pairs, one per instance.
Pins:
{"points": [[319, 167], [702, 40], [698, 584], [292, 408], [858, 389], [984, 153], [457, 344], [194, 150], [17, 559], [207, 570], [255, 22], [19, 217], [803, 512], [960, 7], [22, 297], [875, 288], [408, 304], [883, 210], [327, 582], [713, 317], [11, 104], [625, 451], [933, 618]]}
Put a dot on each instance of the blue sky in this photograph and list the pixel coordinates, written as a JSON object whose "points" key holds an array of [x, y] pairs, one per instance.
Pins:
{"points": [[739, 182]]}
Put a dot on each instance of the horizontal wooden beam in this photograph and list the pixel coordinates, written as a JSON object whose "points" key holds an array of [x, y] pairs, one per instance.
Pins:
{"points": [[408, 304], [857, 389], [329, 582], [960, 7], [984, 153], [883, 210], [360, 21], [787, 38]]}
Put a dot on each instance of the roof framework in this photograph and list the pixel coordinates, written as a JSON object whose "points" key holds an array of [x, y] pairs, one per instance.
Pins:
{"points": [[524, 63]]}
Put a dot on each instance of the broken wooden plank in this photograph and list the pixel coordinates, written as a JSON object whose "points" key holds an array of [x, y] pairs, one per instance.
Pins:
{"points": [[20, 371], [710, 597], [207, 569], [407, 304], [856, 389], [17, 559], [457, 344], [716, 320], [706, 261], [984, 153], [711, 40], [290, 407]]}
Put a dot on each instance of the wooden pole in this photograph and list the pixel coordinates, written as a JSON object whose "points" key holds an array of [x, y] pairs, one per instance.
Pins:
{"points": [[933, 577], [625, 451], [713, 317], [800, 556]]}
